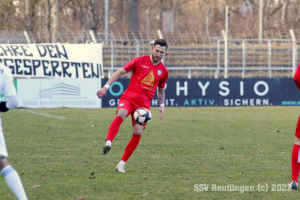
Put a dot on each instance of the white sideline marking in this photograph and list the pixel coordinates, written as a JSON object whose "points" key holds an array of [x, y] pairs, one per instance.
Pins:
{"points": [[42, 114]]}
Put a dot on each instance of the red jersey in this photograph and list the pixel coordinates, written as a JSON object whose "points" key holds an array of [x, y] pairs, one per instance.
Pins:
{"points": [[144, 80]]}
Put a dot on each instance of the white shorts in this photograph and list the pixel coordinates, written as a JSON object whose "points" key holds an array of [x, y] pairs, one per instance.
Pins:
{"points": [[3, 150]]}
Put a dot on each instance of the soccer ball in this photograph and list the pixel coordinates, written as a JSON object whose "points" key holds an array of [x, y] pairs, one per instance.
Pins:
{"points": [[142, 116]]}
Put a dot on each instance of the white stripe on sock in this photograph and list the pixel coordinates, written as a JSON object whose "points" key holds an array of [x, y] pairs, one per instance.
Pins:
{"points": [[8, 166], [14, 182], [6, 170]]}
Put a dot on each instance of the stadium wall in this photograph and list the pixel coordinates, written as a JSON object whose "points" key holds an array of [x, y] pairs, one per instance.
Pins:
{"points": [[57, 93], [81, 93], [218, 92]]}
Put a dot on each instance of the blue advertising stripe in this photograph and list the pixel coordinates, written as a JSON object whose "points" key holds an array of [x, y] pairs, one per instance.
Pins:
{"points": [[218, 92]]}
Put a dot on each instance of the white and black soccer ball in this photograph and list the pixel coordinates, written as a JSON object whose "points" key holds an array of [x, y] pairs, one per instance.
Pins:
{"points": [[142, 116]]}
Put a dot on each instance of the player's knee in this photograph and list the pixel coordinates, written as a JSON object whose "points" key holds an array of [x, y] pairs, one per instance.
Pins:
{"points": [[138, 132], [297, 140], [138, 129], [122, 113]]}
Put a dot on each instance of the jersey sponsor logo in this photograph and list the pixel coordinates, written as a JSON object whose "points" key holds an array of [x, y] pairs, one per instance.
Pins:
{"points": [[122, 104], [149, 79], [145, 66], [147, 88], [159, 72]]}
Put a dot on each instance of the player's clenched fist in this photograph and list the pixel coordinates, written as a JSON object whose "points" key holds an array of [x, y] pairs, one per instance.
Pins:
{"points": [[102, 92]]}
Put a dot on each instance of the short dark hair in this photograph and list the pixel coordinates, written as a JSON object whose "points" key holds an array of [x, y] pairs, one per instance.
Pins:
{"points": [[161, 42]]}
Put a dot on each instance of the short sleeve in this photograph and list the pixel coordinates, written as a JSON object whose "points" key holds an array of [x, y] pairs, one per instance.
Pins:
{"points": [[131, 65], [163, 81]]}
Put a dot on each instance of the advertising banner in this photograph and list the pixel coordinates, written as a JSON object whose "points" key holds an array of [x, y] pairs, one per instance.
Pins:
{"points": [[218, 92], [53, 60], [55, 93]]}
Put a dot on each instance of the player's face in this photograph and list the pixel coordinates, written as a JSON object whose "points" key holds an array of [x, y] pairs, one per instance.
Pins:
{"points": [[158, 52]]}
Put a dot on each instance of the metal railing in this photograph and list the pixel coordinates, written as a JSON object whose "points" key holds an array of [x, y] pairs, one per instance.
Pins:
{"points": [[263, 44], [177, 37], [188, 55], [246, 59]]}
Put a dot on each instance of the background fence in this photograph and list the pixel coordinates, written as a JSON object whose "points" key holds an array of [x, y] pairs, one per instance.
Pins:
{"points": [[190, 54]]}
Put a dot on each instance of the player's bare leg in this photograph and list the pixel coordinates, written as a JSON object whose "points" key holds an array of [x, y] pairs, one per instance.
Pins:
{"points": [[12, 179], [3, 162], [114, 129], [131, 146]]}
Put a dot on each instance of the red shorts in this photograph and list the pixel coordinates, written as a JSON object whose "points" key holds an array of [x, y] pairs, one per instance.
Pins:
{"points": [[130, 106]]}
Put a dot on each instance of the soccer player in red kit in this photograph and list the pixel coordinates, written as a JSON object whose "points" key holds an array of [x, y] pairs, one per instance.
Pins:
{"points": [[295, 166], [148, 73]]}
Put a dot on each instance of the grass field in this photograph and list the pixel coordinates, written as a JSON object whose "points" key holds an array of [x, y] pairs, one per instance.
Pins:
{"points": [[244, 146]]}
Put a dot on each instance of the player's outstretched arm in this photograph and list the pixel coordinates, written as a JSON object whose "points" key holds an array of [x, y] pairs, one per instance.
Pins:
{"points": [[102, 92], [12, 103], [10, 92], [161, 100]]}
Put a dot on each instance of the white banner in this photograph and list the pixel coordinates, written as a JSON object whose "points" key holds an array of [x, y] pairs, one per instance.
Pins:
{"points": [[53, 60], [55, 93]]}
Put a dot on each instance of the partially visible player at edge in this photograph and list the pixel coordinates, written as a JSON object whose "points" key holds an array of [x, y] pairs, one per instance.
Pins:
{"points": [[295, 165], [10, 175], [148, 73]]}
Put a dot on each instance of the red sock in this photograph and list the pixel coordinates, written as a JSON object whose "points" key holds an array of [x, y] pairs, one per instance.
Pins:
{"points": [[295, 166], [131, 146], [114, 128]]}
